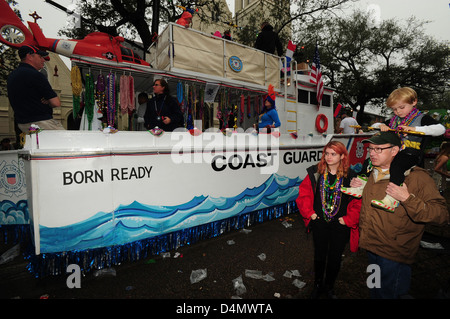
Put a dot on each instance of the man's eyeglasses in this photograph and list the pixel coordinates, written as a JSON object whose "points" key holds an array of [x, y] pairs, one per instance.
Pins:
{"points": [[156, 84], [378, 150]]}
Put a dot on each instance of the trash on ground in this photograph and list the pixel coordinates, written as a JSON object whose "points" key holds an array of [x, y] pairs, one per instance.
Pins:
{"points": [[277, 295], [425, 244], [177, 254], [246, 231], [165, 255], [230, 242], [290, 273], [286, 224], [198, 275], [262, 256], [267, 277], [10, 254], [299, 284], [239, 286], [295, 273], [150, 261], [105, 272], [255, 274]]}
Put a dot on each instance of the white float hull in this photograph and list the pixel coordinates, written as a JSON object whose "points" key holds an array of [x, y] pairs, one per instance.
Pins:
{"points": [[88, 190]]}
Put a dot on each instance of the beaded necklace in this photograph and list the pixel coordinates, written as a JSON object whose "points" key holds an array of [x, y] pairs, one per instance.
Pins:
{"points": [[111, 99], [77, 88], [159, 117], [397, 121], [100, 94], [330, 196], [89, 99]]}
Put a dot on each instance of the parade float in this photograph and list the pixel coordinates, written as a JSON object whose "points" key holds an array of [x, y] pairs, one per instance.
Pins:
{"points": [[105, 195]]}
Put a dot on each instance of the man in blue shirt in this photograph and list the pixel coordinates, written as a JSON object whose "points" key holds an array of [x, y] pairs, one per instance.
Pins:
{"points": [[30, 94]]}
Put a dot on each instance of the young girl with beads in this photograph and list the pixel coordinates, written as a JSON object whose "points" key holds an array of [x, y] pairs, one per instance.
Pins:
{"points": [[332, 216], [407, 117]]}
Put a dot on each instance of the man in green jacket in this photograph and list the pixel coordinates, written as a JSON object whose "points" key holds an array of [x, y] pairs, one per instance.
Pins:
{"points": [[392, 240]]}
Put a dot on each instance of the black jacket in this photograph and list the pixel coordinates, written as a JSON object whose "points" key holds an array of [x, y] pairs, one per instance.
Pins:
{"points": [[160, 106], [268, 41]]}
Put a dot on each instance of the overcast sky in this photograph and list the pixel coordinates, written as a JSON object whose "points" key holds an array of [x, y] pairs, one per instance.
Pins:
{"points": [[436, 11]]}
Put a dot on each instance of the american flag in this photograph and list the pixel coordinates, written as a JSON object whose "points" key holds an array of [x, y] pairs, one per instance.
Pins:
{"points": [[316, 76]]}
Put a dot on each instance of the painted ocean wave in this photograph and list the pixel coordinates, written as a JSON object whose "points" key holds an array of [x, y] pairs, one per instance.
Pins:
{"points": [[14, 213], [138, 221]]}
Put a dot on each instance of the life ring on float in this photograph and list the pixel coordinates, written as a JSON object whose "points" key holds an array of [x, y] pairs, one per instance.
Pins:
{"points": [[319, 118]]}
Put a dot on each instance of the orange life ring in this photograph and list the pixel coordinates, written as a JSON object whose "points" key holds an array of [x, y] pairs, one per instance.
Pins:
{"points": [[319, 118]]}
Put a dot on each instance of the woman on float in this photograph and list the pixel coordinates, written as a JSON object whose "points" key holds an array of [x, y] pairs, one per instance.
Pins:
{"points": [[268, 118]]}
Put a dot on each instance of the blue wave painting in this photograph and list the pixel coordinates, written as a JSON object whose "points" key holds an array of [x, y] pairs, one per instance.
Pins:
{"points": [[136, 221], [14, 213]]}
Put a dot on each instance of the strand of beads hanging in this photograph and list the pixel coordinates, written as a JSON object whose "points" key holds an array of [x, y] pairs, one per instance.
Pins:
{"points": [[330, 195], [111, 99], [100, 95]]}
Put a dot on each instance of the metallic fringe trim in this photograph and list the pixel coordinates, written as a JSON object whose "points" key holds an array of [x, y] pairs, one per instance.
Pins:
{"points": [[14, 234], [56, 263]]}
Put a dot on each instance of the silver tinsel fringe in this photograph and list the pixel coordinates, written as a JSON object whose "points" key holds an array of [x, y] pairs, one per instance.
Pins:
{"points": [[56, 263]]}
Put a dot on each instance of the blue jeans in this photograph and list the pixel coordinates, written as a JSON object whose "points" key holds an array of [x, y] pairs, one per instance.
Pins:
{"points": [[395, 278]]}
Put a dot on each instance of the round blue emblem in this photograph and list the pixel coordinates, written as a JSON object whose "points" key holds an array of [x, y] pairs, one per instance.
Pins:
{"points": [[235, 63]]}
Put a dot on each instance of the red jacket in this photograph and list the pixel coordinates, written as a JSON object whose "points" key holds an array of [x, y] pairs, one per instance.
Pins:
{"points": [[305, 204]]}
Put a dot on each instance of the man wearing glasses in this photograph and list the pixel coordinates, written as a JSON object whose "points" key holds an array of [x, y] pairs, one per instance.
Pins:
{"points": [[392, 240]]}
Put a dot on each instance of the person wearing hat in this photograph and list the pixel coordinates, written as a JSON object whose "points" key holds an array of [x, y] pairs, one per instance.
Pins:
{"points": [[268, 118], [407, 118], [185, 19], [392, 240], [30, 94]]}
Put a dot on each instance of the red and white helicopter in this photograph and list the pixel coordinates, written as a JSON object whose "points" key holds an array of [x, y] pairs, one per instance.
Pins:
{"points": [[95, 45]]}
